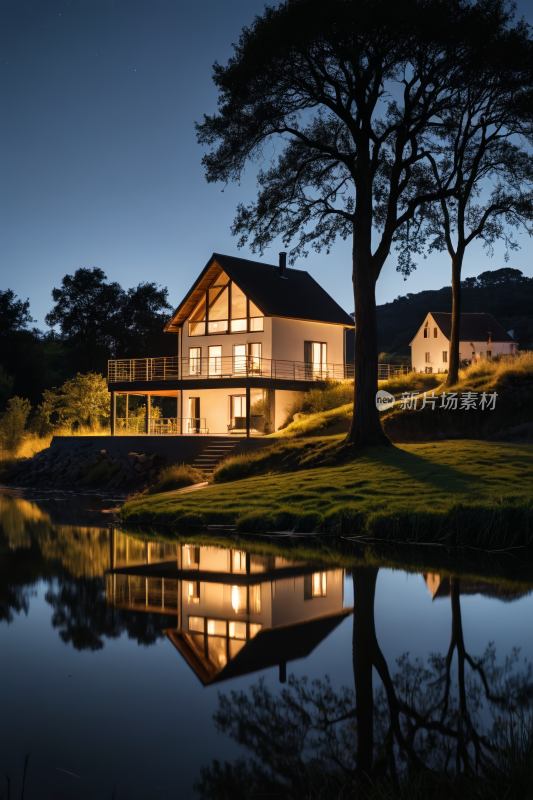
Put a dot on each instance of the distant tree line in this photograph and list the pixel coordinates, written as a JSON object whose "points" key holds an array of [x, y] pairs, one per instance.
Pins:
{"points": [[96, 320]]}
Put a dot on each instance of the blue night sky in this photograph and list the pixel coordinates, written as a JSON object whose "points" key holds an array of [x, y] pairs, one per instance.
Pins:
{"points": [[100, 165]]}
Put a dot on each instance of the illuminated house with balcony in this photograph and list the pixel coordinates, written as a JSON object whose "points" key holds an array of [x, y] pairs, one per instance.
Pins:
{"points": [[227, 612], [248, 337]]}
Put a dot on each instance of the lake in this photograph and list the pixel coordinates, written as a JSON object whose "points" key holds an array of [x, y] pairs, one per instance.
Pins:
{"points": [[142, 663]]}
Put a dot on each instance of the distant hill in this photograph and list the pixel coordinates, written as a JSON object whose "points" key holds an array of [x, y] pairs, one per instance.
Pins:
{"points": [[504, 293]]}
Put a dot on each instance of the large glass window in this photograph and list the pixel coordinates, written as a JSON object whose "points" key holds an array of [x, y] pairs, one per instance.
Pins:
{"points": [[195, 360], [197, 320], [256, 318], [254, 361], [215, 360], [218, 309], [239, 359], [315, 357], [239, 321]]}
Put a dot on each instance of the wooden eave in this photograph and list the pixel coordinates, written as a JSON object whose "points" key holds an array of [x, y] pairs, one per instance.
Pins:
{"points": [[210, 272]]}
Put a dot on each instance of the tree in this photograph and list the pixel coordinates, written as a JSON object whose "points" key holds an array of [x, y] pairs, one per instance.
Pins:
{"points": [[480, 149], [13, 423], [87, 309], [105, 320], [14, 314], [143, 317], [84, 400], [422, 719], [350, 88]]}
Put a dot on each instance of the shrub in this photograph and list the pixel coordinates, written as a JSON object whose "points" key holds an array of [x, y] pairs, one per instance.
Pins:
{"points": [[177, 476], [13, 423]]}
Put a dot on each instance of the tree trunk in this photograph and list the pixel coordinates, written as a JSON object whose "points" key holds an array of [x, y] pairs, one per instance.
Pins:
{"points": [[453, 373], [363, 645], [365, 430]]}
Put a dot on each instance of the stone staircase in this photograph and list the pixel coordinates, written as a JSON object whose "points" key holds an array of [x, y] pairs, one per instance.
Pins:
{"points": [[215, 451]]}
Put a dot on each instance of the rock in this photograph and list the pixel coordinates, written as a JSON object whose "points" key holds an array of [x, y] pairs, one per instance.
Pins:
{"points": [[138, 467], [118, 479], [142, 459], [151, 473]]}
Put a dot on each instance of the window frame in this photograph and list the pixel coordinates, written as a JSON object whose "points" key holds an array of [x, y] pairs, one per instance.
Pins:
{"points": [[251, 325]]}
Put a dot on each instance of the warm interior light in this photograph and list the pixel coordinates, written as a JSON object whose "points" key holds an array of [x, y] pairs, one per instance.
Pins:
{"points": [[238, 598]]}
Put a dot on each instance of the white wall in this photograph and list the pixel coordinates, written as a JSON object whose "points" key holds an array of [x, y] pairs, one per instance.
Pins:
{"points": [[435, 346], [214, 406], [289, 335], [282, 400]]}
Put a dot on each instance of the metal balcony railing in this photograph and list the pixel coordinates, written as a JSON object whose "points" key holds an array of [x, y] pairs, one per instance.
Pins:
{"points": [[160, 426], [157, 369]]}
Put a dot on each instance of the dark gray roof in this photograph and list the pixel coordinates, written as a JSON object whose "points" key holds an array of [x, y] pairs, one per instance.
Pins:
{"points": [[473, 327], [298, 296]]}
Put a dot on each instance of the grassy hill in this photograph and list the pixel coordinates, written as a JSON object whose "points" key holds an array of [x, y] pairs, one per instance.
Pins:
{"points": [[504, 293]]}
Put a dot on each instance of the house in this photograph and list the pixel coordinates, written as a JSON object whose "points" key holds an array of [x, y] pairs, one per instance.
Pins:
{"points": [[249, 336], [481, 336], [227, 612]]}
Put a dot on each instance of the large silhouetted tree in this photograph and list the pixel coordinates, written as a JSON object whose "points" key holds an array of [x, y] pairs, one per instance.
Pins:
{"points": [[356, 92], [484, 158]]}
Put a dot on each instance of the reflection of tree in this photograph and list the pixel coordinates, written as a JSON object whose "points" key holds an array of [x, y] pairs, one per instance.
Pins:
{"points": [[422, 716], [13, 599], [84, 620]]}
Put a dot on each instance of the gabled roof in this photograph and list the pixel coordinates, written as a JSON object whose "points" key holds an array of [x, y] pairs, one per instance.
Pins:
{"points": [[298, 296], [268, 648], [472, 328]]}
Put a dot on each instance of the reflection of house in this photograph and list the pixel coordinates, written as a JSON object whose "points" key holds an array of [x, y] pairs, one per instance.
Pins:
{"points": [[439, 586], [249, 335], [480, 336], [236, 612]]}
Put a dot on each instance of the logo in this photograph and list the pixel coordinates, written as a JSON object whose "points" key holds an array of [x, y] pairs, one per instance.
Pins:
{"points": [[384, 400]]}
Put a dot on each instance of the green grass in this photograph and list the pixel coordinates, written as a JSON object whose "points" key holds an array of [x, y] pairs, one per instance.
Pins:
{"points": [[176, 476], [463, 493]]}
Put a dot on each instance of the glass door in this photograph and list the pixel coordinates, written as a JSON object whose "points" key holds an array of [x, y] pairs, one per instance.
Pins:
{"points": [[238, 411], [239, 359]]}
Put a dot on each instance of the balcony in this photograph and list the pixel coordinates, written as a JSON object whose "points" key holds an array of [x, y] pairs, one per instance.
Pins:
{"points": [[174, 368]]}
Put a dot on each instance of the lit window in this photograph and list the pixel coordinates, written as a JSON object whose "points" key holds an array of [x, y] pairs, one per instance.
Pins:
{"points": [[216, 627], [197, 319], [315, 585], [239, 321], [196, 624], [256, 324], [195, 360], [255, 599], [216, 648], [255, 627], [234, 647], [193, 595], [237, 630], [238, 599], [239, 561], [215, 360]]}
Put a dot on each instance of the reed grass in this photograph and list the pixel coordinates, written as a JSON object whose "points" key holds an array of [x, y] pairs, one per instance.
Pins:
{"points": [[176, 476]]}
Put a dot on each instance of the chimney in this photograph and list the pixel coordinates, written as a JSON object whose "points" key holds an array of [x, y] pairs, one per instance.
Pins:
{"points": [[490, 337], [282, 269]]}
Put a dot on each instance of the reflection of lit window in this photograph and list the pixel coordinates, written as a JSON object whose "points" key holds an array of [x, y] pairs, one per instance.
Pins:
{"points": [[255, 599], [239, 561], [237, 630], [255, 627], [216, 648], [216, 627], [319, 584], [193, 555], [196, 624], [234, 646], [193, 595], [314, 585], [238, 599]]}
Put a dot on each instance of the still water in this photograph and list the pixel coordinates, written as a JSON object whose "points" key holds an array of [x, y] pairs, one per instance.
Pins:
{"points": [[146, 664]]}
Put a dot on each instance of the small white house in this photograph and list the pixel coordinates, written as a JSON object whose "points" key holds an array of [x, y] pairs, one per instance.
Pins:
{"points": [[481, 336]]}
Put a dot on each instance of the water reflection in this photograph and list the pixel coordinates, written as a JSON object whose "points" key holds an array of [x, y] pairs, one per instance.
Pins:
{"points": [[229, 613], [448, 714], [235, 612]]}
